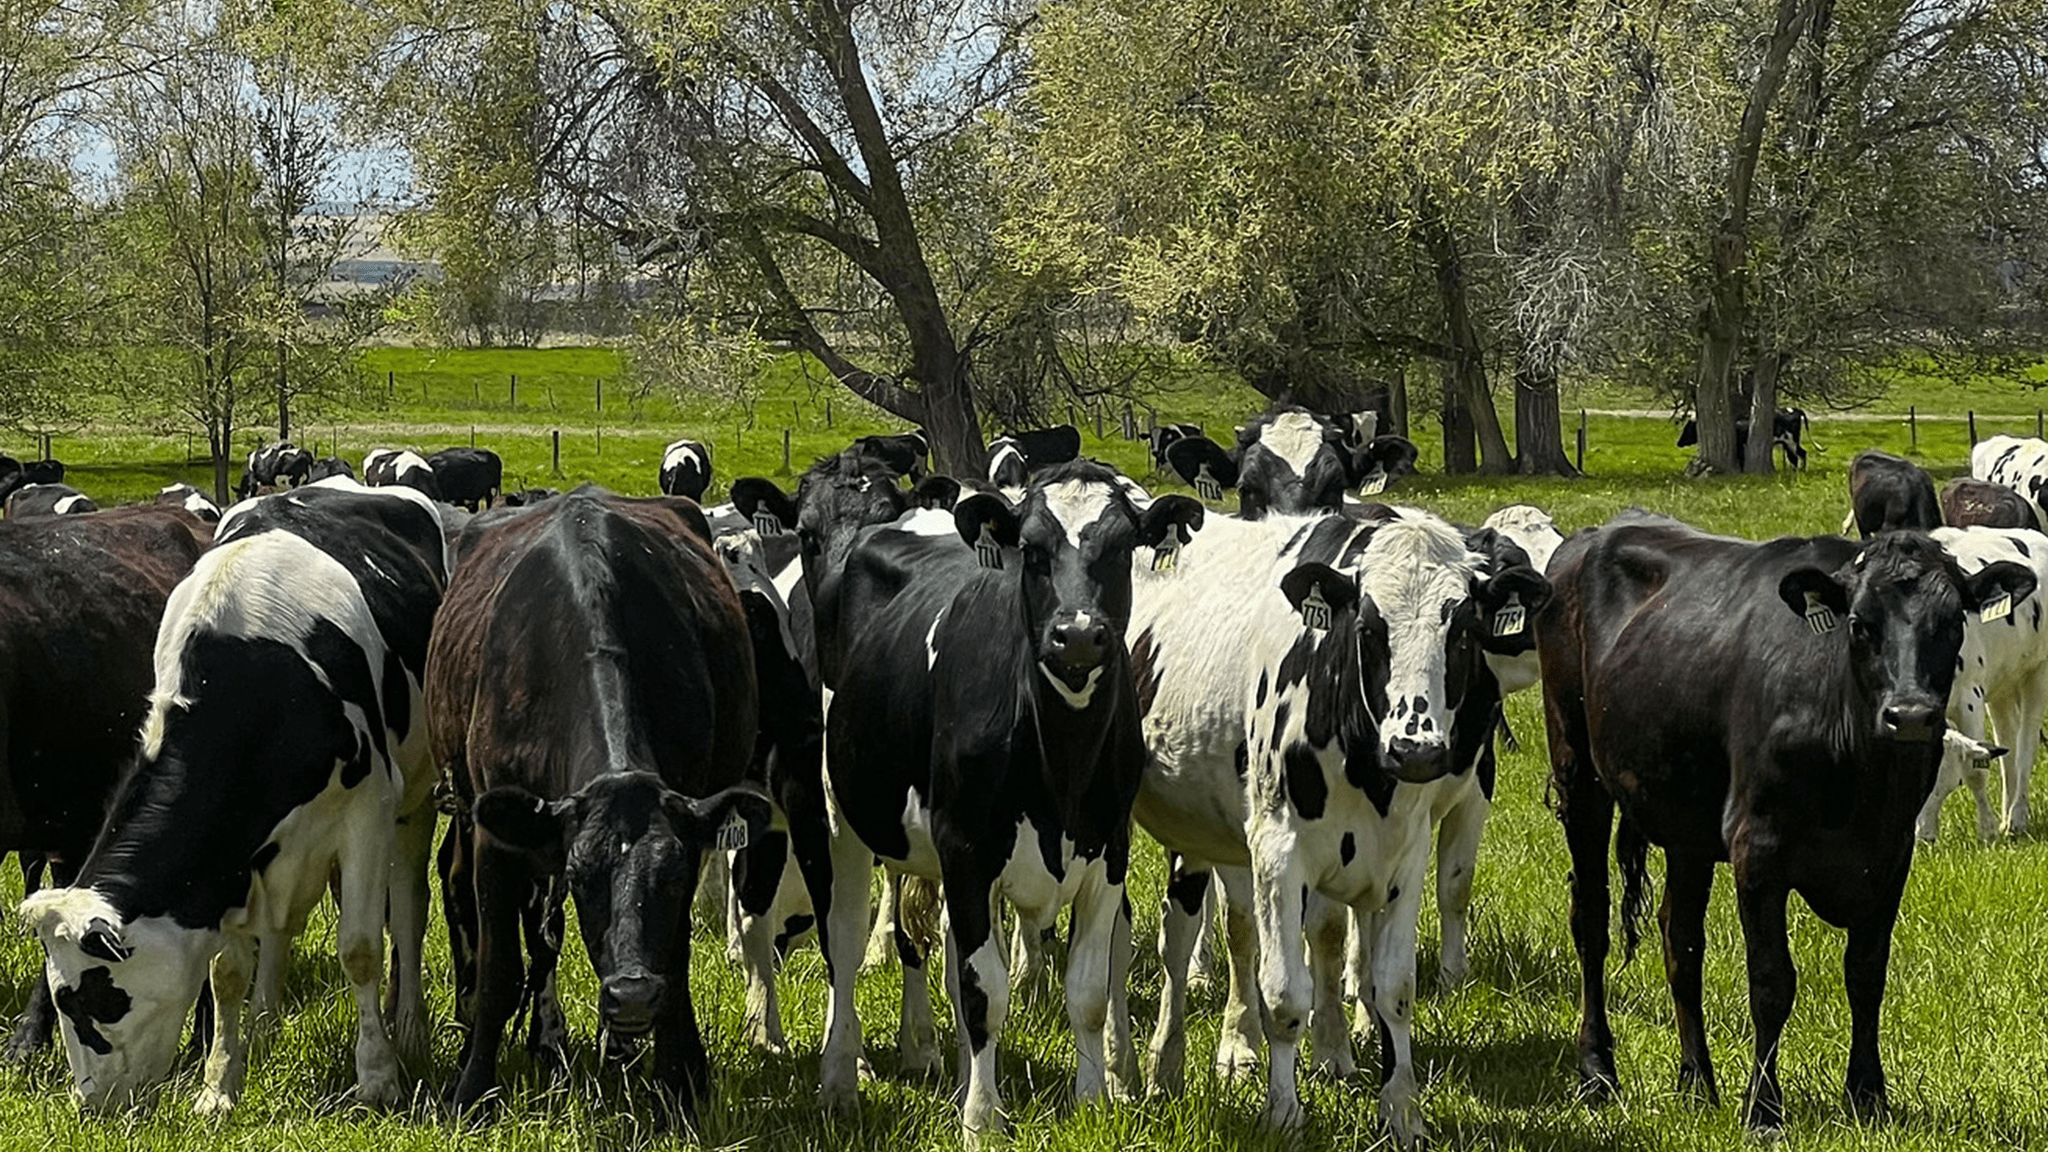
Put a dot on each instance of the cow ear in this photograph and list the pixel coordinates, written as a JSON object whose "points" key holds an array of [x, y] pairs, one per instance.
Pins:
{"points": [[1515, 585], [725, 821], [1319, 593], [1178, 515], [1983, 588], [1188, 457], [1824, 591], [940, 492], [524, 822], [766, 505], [993, 513]]}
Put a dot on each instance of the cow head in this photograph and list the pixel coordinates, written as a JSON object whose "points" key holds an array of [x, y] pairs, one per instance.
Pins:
{"points": [[123, 989], [1897, 607], [1070, 544], [1293, 461], [631, 849]]}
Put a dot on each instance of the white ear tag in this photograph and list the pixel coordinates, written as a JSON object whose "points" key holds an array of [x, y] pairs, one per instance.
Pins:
{"points": [[732, 835], [1315, 611], [1374, 484], [1510, 620], [1820, 619], [987, 552], [1997, 609], [767, 523], [1207, 486], [1166, 554]]}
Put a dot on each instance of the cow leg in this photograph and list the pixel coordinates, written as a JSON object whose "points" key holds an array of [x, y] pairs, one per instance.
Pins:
{"points": [[228, 1063], [1393, 999], [983, 1002], [1277, 908], [1237, 1044], [547, 1032], [1365, 928], [406, 1004], [1122, 1053], [1587, 812], [365, 883], [881, 940], [501, 886], [1457, 858], [1179, 924], [1097, 905], [458, 908], [1202, 966], [680, 1067], [32, 1030], [917, 1032], [1329, 1031], [844, 918], [1773, 982], [758, 873], [1864, 962], [2021, 715], [1688, 882]]}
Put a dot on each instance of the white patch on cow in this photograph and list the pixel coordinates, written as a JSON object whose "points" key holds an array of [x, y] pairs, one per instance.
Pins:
{"points": [[1531, 529], [1295, 437], [1140, 499], [1005, 451], [1077, 700], [2003, 676], [1076, 504], [68, 504], [931, 641], [200, 506], [371, 457], [686, 450], [1413, 567], [927, 522]]}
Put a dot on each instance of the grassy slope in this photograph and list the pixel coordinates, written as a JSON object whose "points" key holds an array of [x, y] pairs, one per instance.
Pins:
{"points": [[1964, 1040]]}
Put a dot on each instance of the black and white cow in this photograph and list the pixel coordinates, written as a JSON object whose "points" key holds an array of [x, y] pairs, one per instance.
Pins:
{"points": [[285, 735], [686, 469], [1889, 494], [190, 499], [1317, 702], [80, 601], [32, 500], [470, 477], [592, 697], [1162, 437], [1972, 503], [527, 497], [2018, 462], [1787, 426], [1290, 460], [991, 742], [1008, 468], [327, 466], [904, 453], [277, 465], [1778, 706], [1045, 447], [388, 467]]}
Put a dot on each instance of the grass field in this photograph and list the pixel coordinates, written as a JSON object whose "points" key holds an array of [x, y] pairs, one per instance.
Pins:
{"points": [[1965, 1041]]}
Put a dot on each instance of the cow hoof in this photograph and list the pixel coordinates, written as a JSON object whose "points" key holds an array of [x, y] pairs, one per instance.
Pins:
{"points": [[919, 1060], [212, 1102], [839, 1099], [1449, 976], [1235, 1064], [380, 1090], [1597, 1082], [22, 1046], [1283, 1114], [1867, 1103], [1698, 1086], [768, 1045]]}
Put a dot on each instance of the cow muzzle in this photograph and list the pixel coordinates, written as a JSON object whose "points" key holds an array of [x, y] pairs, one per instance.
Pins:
{"points": [[1911, 721], [1077, 643], [1416, 762], [631, 1001]]}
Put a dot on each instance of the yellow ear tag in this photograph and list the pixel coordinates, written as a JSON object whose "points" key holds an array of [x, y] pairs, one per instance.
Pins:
{"points": [[1820, 619], [987, 552], [1997, 609]]}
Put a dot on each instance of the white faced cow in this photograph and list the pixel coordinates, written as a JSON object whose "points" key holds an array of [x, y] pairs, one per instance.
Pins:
{"points": [[386, 467], [285, 736], [1290, 460], [686, 469]]}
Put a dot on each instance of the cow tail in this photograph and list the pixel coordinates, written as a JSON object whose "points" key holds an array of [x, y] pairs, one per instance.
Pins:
{"points": [[917, 912], [1632, 855]]}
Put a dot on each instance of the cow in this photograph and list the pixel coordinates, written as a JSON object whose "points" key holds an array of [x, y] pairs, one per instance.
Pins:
{"points": [[1290, 460], [904, 453], [10, 475], [80, 602], [2003, 677], [591, 695], [1787, 426], [1044, 447], [1777, 706], [1889, 494], [285, 735], [329, 466], [1317, 748], [2019, 463], [1009, 470], [31, 500], [991, 742], [279, 465], [43, 472], [1969, 503], [190, 499], [1163, 436], [1964, 761], [526, 497], [685, 469], [385, 467], [470, 477]]}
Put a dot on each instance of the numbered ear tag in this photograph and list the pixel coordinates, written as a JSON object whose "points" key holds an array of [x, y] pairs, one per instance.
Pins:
{"points": [[732, 835], [1166, 555], [1207, 486], [1510, 620], [987, 552], [1820, 619], [767, 523], [1997, 609], [1315, 611], [1374, 484]]}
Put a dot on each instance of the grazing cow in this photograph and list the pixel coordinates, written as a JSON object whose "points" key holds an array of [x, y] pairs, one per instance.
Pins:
{"points": [[1778, 706], [2019, 463], [1968, 503], [80, 602], [1964, 761], [384, 467], [904, 453], [2004, 674], [1163, 437], [48, 500], [279, 465], [1045, 447], [1319, 747], [1787, 426], [285, 735], [591, 695], [991, 742], [327, 466], [1290, 460], [190, 499], [470, 477], [686, 469], [1888, 494]]}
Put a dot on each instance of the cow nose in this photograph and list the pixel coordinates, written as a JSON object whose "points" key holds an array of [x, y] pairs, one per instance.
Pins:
{"points": [[630, 1001], [1415, 761], [1081, 643], [1910, 721]]}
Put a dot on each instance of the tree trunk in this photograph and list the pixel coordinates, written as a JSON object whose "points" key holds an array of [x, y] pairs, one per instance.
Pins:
{"points": [[1397, 403], [1460, 456], [284, 397], [1763, 406], [1467, 366], [949, 414], [1539, 426], [218, 440]]}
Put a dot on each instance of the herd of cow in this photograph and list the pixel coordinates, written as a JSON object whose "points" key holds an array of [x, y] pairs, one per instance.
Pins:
{"points": [[979, 683]]}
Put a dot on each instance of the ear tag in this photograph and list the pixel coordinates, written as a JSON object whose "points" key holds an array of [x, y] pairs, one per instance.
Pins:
{"points": [[1510, 620], [1315, 611], [732, 835], [987, 552], [1820, 619], [1166, 555], [1997, 609], [767, 523], [1374, 484], [1207, 486]]}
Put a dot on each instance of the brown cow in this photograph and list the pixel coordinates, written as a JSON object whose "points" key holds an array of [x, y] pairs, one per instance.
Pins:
{"points": [[1968, 503]]}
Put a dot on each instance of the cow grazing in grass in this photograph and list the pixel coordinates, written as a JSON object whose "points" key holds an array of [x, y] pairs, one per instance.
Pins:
{"points": [[591, 694], [1163, 437], [1778, 706], [470, 477], [1290, 460], [284, 736], [386, 467], [190, 499], [1788, 426], [2018, 462], [1969, 503], [685, 469], [277, 465], [1889, 494], [32, 500]]}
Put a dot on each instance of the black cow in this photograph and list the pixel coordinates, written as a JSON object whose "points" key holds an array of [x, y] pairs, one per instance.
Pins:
{"points": [[591, 678], [526, 497], [278, 465], [1969, 503], [1290, 460], [80, 602], [48, 500], [1889, 494], [1787, 426], [991, 742], [10, 475], [685, 469], [15, 475], [1045, 447], [327, 466], [1778, 706], [1163, 437], [384, 467], [904, 453], [470, 477]]}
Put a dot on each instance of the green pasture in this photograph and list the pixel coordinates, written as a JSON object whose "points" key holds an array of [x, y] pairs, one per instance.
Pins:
{"points": [[1965, 1040]]}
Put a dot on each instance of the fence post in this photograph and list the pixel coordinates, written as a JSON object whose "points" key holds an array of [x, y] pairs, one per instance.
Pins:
{"points": [[1973, 427], [600, 440], [1098, 423], [476, 390], [390, 383], [557, 436], [514, 394], [2037, 423], [1913, 424], [828, 412], [1581, 462], [600, 394], [472, 435], [785, 450]]}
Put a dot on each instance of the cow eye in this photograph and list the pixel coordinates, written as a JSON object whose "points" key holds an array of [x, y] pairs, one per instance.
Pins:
{"points": [[1037, 560], [1863, 629]]}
